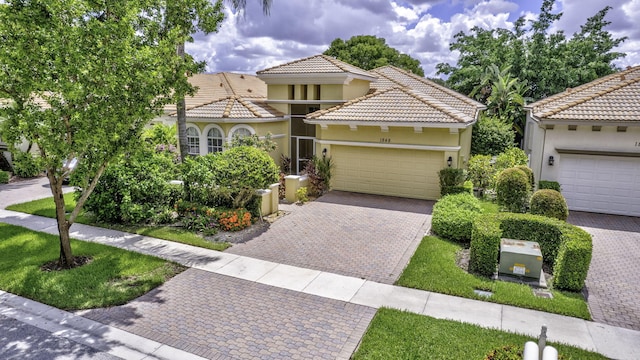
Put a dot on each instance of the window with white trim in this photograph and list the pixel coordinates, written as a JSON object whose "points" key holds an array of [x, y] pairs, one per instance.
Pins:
{"points": [[214, 140], [193, 141], [241, 132]]}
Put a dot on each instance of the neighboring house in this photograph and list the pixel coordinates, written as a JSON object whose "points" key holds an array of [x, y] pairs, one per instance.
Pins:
{"points": [[388, 131], [588, 140]]}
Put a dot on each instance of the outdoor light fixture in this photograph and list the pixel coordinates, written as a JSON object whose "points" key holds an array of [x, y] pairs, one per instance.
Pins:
{"points": [[449, 161], [324, 152], [551, 160]]}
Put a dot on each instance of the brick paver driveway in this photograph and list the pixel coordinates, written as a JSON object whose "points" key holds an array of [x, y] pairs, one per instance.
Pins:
{"points": [[612, 283], [220, 317], [366, 236]]}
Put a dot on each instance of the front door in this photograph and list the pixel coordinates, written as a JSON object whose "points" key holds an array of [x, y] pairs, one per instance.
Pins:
{"points": [[302, 152]]}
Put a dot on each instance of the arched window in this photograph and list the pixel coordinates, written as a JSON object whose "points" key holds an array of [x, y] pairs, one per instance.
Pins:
{"points": [[214, 140], [193, 141], [240, 130]]}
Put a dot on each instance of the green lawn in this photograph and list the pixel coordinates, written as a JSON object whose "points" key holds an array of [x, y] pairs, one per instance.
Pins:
{"points": [[433, 268], [114, 277], [395, 334], [46, 207]]}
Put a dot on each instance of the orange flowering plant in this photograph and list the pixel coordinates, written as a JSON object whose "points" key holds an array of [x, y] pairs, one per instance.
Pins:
{"points": [[234, 220]]}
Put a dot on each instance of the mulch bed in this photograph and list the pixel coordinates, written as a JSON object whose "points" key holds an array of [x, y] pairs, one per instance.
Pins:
{"points": [[55, 264]]}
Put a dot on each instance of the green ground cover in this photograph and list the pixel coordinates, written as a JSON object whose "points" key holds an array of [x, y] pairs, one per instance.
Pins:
{"points": [[433, 268], [46, 207], [112, 277], [395, 334]]}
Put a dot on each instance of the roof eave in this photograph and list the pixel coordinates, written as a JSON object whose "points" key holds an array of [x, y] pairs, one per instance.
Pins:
{"points": [[313, 78]]}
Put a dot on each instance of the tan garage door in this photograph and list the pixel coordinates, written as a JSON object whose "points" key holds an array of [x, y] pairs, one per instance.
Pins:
{"points": [[393, 172]]}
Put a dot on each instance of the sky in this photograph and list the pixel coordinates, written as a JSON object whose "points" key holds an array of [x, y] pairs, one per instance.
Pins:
{"points": [[423, 29]]}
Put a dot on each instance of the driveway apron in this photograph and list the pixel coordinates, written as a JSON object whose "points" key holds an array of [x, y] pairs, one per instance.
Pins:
{"points": [[367, 236], [219, 317], [612, 282]]}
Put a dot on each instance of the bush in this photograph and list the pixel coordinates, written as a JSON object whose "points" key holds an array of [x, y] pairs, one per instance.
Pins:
{"points": [[480, 171], [319, 171], [244, 167], [26, 165], [452, 181], [565, 248], [301, 195], [453, 216], [4, 177], [549, 203], [135, 188], [513, 190], [546, 184], [234, 220], [527, 170], [510, 158], [491, 136]]}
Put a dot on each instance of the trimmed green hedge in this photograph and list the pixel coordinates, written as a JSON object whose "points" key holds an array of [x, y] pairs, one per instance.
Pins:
{"points": [[453, 216], [546, 184], [4, 177], [549, 203], [565, 248]]}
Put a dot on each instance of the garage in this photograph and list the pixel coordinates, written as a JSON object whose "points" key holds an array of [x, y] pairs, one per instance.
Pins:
{"points": [[387, 171], [602, 184]]}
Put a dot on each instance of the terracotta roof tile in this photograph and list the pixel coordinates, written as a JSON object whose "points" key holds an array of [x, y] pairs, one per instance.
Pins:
{"points": [[614, 98], [234, 107], [397, 105], [317, 64], [220, 85], [391, 76]]}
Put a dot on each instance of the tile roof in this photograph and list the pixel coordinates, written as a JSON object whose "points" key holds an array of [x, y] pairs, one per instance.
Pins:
{"points": [[612, 98], [317, 64], [391, 76], [221, 85], [234, 107], [392, 105]]}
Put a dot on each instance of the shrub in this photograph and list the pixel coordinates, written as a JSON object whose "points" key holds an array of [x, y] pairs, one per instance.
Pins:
{"points": [[453, 216], [527, 170], [565, 248], [510, 158], [480, 171], [452, 181], [491, 136], [160, 134], [301, 194], [234, 220], [4, 177], [135, 188], [244, 166], [319, 172], [546, 184], [549, 203], [25, 165], [512, 190]]}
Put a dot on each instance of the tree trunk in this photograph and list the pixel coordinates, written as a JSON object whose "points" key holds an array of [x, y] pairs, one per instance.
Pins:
{"points": [[181, 113], [66, 256]]}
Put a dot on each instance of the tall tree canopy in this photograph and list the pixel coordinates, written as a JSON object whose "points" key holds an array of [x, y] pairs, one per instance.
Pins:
{"points": [[84, 77], [548, 62], [369, 52]]}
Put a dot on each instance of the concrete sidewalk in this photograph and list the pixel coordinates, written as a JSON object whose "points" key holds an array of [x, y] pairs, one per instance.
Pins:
{"points": [[613, 342]]}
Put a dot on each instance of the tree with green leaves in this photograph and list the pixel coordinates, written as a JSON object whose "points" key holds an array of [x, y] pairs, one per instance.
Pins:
{"points": [[369, 52], [83, 79], [548, 62]]}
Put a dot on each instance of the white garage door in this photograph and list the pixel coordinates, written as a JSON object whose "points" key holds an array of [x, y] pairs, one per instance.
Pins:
{"points": [[603, 184], [393, 172]]}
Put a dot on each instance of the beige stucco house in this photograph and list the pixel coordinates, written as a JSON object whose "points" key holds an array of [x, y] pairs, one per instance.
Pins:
{"points": [[388, 131], [588, 139]]}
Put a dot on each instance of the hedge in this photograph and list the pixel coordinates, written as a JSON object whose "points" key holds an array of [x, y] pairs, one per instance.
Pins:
{"points": [[549, 203], [565, 248], [4, 177], [546, 184], [453, 216]]}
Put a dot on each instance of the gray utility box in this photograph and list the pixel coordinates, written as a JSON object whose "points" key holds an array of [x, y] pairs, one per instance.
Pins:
{"points": [[520, 258]]}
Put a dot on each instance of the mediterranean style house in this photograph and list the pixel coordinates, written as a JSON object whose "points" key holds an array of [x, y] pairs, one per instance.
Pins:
{"points": [[588, 140], [388, 131]]}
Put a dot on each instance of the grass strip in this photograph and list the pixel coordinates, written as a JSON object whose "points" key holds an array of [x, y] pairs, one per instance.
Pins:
{"points": [[46, 207], [395, 334], [433, 268], [113, 277]]}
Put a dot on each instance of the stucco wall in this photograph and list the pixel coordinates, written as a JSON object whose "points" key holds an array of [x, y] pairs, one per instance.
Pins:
{"points": [[395, 135]]}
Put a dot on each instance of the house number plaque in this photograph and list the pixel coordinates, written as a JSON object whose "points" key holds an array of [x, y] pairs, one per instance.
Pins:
{"points": [[388, 140]]}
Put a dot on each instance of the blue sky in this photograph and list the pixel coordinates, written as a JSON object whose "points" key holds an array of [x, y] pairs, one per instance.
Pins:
{"points": [[421, 28]]}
